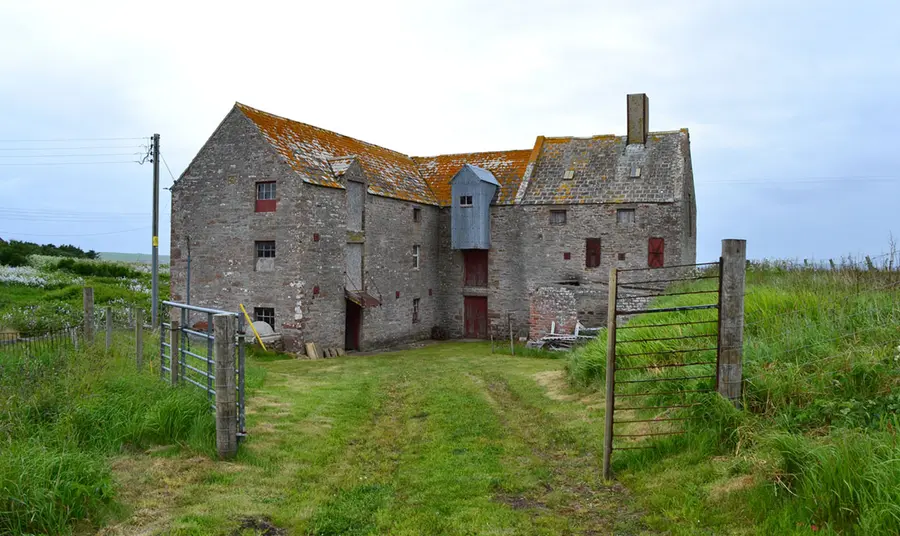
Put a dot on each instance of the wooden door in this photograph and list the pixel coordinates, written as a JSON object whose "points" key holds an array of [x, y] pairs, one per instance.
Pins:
{"points": [[656, 248], [475, 317]]}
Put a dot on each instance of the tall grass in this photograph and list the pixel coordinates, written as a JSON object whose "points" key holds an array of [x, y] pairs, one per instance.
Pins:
{"points": [[62, 415], [818, 425]]}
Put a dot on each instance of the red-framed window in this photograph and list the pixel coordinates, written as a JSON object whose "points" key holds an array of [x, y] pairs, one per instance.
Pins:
{"points": [[656, 249], [476, 267], [265, 196], [591, 252]]}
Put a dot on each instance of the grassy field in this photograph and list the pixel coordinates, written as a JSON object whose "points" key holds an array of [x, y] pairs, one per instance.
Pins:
{"points": [[445, 439], [815, 447], [65, 414]]}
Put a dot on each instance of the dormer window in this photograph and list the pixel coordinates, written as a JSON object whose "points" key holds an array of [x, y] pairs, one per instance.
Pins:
{"points": [[465, 200]]}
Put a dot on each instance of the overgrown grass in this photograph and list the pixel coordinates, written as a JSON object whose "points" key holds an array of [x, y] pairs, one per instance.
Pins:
{"points": [[815, 444], [62, 415]]}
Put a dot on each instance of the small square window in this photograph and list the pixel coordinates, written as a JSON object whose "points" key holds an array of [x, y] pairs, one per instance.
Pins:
{"points": [[621, 256], [265, 191], [415, 315], [557, 217], [416, 250], [417, 215], [264, 314], [567, 255], [465, 200], [635, 172], [265, 249], [625, 216]]}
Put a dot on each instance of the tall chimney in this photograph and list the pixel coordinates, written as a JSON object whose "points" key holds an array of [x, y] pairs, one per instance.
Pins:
{"points": [[638, 118]]}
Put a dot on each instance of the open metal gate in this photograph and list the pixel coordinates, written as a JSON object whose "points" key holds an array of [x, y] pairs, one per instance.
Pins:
{"points": [[192, 339], [662, 351]]}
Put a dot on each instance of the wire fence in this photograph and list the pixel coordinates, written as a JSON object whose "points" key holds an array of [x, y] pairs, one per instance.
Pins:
{"points": [[34, 344]]}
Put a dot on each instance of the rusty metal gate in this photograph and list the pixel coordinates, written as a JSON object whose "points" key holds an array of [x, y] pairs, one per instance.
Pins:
{"points": [[662, 351]]}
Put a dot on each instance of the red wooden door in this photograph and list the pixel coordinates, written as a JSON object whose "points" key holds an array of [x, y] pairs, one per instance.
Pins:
{"points": [[475, 262], [656, 248], [475, 317]]}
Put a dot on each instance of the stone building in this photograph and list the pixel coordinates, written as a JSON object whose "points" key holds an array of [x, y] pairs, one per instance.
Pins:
{"points": [[347, 244]]}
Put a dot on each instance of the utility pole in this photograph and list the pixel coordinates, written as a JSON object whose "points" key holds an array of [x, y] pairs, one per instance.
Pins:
{"points": [[188, 297], [154, 307]]}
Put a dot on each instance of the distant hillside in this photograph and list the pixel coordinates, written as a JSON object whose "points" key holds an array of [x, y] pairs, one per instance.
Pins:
{"points": [[131, 257]]}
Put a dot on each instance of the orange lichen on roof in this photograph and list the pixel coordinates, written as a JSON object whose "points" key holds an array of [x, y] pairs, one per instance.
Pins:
{"points": [[308, 149], [508, 167]]}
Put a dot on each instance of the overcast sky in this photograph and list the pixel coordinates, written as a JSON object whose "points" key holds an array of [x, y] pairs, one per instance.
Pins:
{"points": [[791, 106]]}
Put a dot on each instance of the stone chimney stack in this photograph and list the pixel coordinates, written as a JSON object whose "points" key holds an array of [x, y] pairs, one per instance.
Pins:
{"points": [[638, 118]]}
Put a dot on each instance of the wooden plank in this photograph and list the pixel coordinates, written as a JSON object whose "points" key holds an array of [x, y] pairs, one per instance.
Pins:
{"points": [[610, 374]]}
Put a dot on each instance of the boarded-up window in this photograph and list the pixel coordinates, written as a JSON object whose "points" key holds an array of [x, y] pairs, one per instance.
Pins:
{"points": [[416, 252], [557, 217], [417, 215], [476, 267], [592, 252], [356, 200], [656, 248], [415, 315], [625, 216]]}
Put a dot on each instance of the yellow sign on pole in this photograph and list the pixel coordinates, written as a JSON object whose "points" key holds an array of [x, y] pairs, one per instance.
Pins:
{"points": [[156, 241]]}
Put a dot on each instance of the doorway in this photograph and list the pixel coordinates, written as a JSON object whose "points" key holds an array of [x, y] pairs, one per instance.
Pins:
{"points": [[475, 314], [353, 326]]}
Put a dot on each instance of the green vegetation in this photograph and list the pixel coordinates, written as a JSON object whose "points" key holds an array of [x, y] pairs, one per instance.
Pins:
{"points": [[143, 258], [16, 253], [63, 415], [815, 447], [47, 293], [444, 439]]}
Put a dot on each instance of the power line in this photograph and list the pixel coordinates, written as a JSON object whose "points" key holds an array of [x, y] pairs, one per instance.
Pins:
{"points": [[71, 148], [71, 139], [73, 212], [167, 166], [70, 163], [86, 234], [82, 155]]}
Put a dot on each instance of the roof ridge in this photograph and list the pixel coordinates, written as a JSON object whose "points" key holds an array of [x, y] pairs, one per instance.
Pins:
{"points": [[472, 153], [242, 105]]}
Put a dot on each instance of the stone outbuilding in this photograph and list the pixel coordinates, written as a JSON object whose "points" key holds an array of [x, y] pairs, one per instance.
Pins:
{"points": [[340, 242]]}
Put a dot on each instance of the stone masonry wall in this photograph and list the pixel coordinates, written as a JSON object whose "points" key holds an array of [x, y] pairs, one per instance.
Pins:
{"points": [[391, 234]]}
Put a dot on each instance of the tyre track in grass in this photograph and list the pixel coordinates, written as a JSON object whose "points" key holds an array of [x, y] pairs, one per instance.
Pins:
{"points": [[564, 469]]}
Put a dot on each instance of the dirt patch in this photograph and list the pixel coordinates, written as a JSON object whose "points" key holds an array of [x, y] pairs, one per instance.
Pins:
{"points": [[554, 384], [261, 526], [731, 485]]}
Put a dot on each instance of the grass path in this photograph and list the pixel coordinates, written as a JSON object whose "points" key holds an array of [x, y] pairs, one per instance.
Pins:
{"points": [[445, 439]]}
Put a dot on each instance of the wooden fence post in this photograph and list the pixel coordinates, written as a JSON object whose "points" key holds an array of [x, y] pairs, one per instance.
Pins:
{"points": [[88, 304], [139, 338], [226, 401], [731, 319], [610, 374], [512, 345], [175, 361], [109, 328]]}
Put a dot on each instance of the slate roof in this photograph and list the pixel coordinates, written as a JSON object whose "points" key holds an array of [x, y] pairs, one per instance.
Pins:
{"points": [[600, 166], [308, 149], [601, 169], [508, 167]]}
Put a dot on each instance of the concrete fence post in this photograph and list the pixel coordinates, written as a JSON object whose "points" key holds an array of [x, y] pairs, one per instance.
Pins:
{"points": [[226, 400], [109, 328], [88, 321], [139, 338], [174, 361], [731, 319]]}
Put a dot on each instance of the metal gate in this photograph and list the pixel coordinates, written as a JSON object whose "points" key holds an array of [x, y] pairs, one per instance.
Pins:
{"points": [[662, 351], [193, 338]]}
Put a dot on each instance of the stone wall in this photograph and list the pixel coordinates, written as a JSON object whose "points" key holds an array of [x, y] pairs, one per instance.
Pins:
{"points": [[391, 234]]}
